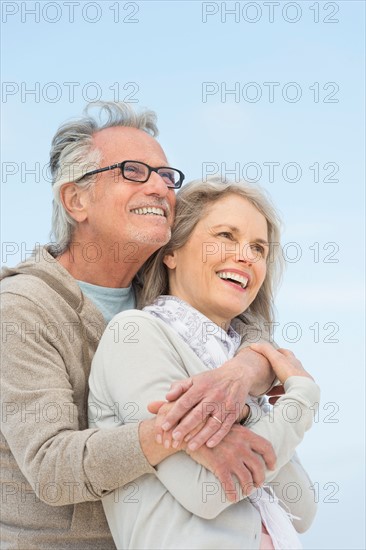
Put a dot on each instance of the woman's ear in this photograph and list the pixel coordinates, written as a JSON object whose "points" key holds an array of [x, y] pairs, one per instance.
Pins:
{"points": [[74, 201], [170, 260]]}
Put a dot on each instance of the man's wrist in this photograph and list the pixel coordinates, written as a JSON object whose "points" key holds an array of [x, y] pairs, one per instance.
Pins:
{"points": [[245, 416], [258, 373]]}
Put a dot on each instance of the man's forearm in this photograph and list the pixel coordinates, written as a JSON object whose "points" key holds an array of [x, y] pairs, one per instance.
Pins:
{"points": [[226, 388], [257, 370]]}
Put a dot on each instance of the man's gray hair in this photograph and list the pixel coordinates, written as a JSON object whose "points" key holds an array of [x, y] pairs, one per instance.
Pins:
{"points": [[72, 155]]}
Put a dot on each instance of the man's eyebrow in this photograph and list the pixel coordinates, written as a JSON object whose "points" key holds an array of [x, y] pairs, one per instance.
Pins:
{"points": [[234, 229]]}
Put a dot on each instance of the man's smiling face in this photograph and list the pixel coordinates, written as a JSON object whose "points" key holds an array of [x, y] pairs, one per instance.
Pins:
{"points": [[123, 211]]}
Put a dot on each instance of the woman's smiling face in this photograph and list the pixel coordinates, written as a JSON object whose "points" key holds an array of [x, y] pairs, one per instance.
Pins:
{"points": [[222, 266]]}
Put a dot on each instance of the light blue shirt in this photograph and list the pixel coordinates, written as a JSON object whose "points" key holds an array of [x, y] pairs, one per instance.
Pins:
{"points": [[109, 301]]}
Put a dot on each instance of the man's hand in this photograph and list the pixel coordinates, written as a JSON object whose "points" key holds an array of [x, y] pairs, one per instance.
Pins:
{"points": [[219, 393], [214, 397], [241, 457], [242, 454]]}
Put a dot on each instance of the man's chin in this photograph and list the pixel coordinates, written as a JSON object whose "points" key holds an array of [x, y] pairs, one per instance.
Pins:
{"points": [[155, 238]]}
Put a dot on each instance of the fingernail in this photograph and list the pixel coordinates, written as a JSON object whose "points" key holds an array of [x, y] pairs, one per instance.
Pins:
{"points": [[210, 443], [192, 446], [187, 438], [166, 426], [167, 444], [159, 439], [176, 435], [175, 444]]}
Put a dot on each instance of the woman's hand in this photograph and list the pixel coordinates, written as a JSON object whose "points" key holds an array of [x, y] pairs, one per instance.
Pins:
{"points": [[283, 361], [161, 408]]}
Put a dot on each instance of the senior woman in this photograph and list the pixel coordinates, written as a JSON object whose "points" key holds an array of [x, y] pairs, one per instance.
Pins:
{"points": [[222, 263]]}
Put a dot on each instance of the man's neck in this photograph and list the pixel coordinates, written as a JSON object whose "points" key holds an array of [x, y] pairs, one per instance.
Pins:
{"points": [[113, 266]]}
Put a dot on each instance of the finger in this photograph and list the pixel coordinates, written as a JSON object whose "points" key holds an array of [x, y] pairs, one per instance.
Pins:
{"points": [[184, 408], [223, 431], [267, 350], [154, 406], [167, 439], [283, 365], [256, 466], [244, 476], [178, 388], [159, 421], [229, 484], [286, 352], [190, 422], [261, 446], [209, 429]]}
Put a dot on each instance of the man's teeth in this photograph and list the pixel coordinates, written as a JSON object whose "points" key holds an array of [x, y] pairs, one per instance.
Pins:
{"points": [[235, 277], [149, 210]]}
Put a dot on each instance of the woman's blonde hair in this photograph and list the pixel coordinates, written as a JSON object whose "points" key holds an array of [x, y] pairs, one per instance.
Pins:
{"points": [[193, 201]]}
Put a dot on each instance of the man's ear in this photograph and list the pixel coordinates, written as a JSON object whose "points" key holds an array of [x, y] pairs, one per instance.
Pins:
{"points": [[170, 260], [74, 200]]}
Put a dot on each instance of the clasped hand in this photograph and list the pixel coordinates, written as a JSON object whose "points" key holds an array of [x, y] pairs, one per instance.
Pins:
{"points": [[203, 410]]}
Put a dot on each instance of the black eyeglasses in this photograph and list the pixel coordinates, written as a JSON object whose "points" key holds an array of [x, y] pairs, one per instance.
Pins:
{"points": [[139, 172]]}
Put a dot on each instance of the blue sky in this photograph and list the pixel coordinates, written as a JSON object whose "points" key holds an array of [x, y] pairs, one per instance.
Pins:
{"points": [[273, 86]]}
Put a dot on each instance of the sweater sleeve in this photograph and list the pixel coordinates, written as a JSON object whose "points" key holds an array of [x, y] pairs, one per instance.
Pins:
{"points": [[141, 371], [41, 420], [284, 427], [295, 492]]}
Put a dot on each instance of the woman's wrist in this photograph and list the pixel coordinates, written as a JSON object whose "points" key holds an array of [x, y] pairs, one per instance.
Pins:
{"points": [[154, 453]]}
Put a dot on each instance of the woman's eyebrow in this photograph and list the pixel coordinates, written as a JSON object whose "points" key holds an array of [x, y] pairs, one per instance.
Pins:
{"points": [[231, 227], [234, 229], [261, 241]]}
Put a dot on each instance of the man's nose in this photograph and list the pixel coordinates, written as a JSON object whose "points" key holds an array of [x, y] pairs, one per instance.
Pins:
{"points": [[155, 185]]}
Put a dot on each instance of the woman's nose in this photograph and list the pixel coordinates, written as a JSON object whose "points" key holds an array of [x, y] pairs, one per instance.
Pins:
{"points": [[247, 254]]}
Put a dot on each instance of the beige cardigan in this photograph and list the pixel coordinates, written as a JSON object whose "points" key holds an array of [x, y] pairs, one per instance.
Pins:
{"points": [[184, 506], [54, 470]]}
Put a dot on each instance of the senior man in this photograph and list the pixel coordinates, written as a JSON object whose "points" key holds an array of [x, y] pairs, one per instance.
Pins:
{"points": [[113, 207]]}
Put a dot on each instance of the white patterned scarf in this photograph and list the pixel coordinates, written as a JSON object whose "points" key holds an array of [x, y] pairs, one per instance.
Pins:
{"points": [[211, 343], [214, 346]]}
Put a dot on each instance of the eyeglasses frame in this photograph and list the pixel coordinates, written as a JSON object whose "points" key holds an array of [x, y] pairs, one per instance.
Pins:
{"points": [[120, 165]]}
